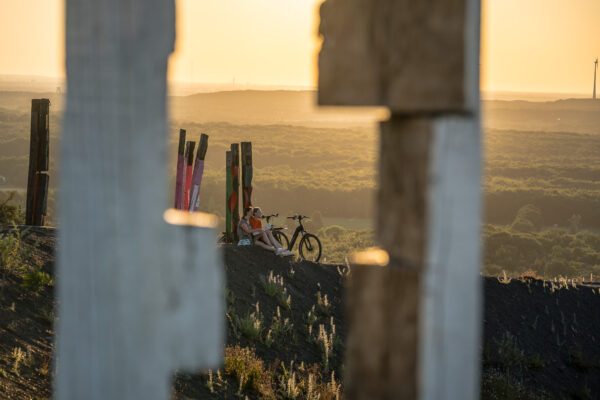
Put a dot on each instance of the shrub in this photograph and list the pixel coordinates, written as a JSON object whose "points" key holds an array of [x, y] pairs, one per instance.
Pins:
{"points": [[528, 219], [326, 341], [36, 280], [251, 324], [273, 284], [323, 304], [333, 231], [274, 287], [281, 328], [243, 364], [10, 251], [10, 214]]}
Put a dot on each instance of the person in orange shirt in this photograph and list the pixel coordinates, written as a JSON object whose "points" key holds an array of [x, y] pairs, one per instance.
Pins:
{"points": [[266, 235]]}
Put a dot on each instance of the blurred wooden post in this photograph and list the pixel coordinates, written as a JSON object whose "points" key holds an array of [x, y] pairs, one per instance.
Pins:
{"points": [[228, 190], [37, 192], [415, 322], [140, 293], [234, 200], [179, 179], [189, 170], [198, 172]]}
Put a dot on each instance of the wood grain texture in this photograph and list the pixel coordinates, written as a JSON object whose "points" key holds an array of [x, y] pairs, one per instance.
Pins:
{"points": [[451, 293], [39, 158], [41, 198], [428, 220], [137, 298], [381, 348], [405, 149], [405, 55]]}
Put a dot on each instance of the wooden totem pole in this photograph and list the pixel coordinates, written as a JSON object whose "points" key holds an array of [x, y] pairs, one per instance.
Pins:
{"points": [[234, 199], [228, 192], [246, 174], [180, 177], [189, 171], [198, 172], [416, 318]]}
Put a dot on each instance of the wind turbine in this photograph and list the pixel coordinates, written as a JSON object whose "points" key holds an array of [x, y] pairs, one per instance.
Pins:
{"points": [[595, 69]]}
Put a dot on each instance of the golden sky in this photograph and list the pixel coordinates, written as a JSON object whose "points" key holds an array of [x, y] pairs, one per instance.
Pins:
{"points": [[527, 45]]}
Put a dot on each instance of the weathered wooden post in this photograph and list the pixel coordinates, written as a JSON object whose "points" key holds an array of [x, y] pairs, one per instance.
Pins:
{"points": [[415, 322], [189, 170], [228, 191], [198, 172], [246, 174], [179, 179], [140, 290], [39, 155], [234, 200], [41, 198]]}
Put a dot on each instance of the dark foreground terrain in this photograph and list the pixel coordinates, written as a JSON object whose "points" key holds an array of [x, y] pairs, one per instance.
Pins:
{"points": [[541, 340]]}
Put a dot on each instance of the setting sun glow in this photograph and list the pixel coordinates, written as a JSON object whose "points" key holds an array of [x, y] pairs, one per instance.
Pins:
{"points": [[532, 46]]}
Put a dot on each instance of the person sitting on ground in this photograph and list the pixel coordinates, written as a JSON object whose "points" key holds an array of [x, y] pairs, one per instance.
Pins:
{"points": [[245, 232], [266, 234]]}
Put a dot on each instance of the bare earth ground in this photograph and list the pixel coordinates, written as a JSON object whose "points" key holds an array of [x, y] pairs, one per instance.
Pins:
{"points": [[541, 340]]}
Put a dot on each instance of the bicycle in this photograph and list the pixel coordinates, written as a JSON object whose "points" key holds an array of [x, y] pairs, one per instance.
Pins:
{"points": [[310, 247], [277, 231]]}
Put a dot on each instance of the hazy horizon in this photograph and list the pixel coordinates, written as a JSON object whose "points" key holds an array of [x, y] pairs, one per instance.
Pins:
{"points": [[48, 84]]}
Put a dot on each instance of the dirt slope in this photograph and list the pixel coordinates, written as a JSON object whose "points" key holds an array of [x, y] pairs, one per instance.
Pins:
{"points": [[540, 341]]}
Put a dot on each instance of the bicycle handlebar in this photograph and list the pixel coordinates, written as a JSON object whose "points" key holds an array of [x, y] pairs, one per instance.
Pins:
{"points": [[298, 217]]}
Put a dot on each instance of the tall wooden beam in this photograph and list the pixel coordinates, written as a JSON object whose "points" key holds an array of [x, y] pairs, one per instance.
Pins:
{"points": [[198, 172], [247, 172], [228, 191], [234, 199], [39, 154], [140, 293], [189, 171], [422, 309], [180, 176]]}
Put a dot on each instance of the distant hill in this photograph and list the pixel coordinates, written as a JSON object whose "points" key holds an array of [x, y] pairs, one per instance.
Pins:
{"points": [[567, 115], [299, 107], [267, 107]]}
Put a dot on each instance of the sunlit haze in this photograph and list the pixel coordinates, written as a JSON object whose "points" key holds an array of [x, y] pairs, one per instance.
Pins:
{"points": [[533, 45]]}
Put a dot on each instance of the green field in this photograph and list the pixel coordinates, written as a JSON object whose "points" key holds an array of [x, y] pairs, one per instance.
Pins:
{"points": [[323, 162]]}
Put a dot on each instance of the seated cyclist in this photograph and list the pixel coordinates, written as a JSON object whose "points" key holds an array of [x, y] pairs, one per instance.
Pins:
{"points": [[265, 235]]}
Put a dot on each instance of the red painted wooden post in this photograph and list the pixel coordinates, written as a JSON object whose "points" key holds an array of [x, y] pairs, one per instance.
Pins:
{"points": [[189, 169], [198, 172], [234, 203], [247, 174], [180, 168]]}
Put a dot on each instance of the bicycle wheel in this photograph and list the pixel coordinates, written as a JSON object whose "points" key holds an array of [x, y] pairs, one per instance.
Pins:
{"points": [[310, 248], [282, 239]]}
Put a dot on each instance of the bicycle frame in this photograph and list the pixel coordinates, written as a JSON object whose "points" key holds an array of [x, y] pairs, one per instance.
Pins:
{"points": [[299, 231]]}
